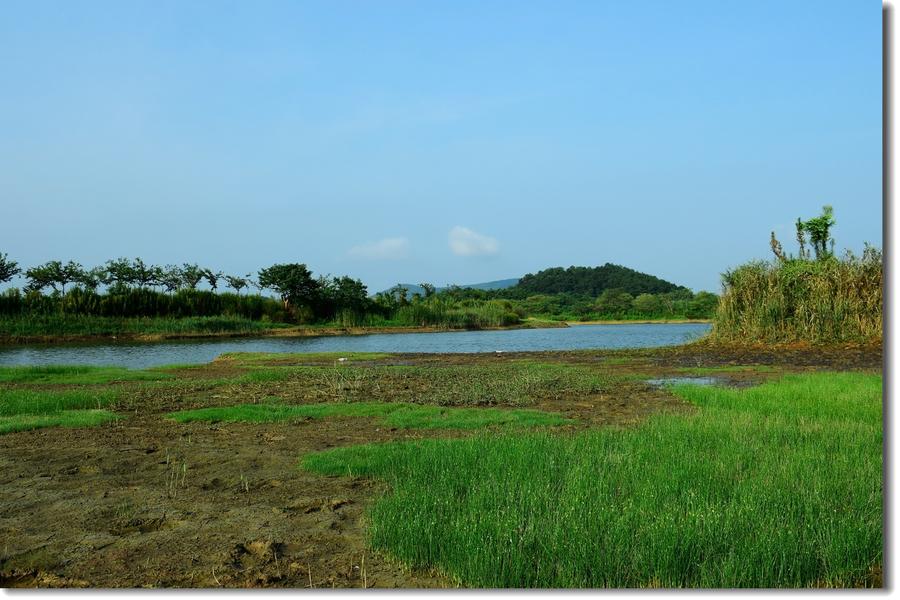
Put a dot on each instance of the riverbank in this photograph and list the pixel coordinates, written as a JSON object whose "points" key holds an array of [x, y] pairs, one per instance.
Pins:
{"points": [[248, 330], [195, 479], [637, 321]]}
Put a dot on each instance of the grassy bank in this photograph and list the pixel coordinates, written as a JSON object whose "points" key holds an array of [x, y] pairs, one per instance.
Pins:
{"points": [[36, 327], [774, 486], [60, 328]]}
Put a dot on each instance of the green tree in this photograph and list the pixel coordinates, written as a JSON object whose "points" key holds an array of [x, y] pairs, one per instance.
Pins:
{"points": [[91, 278], [119, 274], [819, 230], [171, 278], [145, 275], [8, 268], [191, 275], [703, 306], [237, 283], [212, 278], [647, 304], [349, 294], [615, 301], [53, 273], [293, 282]]}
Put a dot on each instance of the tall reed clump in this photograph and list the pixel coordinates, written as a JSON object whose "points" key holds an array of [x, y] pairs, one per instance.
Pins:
{"points": [[826, 300], [465, 314]]}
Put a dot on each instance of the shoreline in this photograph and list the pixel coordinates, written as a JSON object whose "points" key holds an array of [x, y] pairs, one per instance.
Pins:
{"points": [[301, 331]]}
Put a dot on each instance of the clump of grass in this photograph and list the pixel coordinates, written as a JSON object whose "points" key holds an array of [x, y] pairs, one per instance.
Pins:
{"points": [[400, 415], [74, 374], [43, 402], [66, 418], [26, 409], [831, 300], [774, 486]]}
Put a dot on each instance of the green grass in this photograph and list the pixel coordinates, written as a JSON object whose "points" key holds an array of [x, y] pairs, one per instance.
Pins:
{"points": [[400, 415], [74, 374], [774, 486], [66, 418], [42, 402], [26, 409]]}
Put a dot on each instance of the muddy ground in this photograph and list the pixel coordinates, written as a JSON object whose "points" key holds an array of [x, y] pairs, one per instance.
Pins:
{"points": [[147, 502]]}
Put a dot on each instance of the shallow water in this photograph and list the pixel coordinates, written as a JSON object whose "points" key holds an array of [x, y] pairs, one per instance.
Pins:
{"points": [[143, 355], [667, 381]]}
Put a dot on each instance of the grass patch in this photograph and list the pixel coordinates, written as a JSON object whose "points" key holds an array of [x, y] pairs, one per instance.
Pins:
{"points": [[42, 402], [66, 418], [74, 374], [774, 486], [400, 415]]}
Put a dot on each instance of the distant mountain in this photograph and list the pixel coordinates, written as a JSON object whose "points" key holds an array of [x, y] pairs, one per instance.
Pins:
{"points": [[500, 284]]}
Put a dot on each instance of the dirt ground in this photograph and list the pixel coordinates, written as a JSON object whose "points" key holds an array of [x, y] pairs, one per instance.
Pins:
{"points": [[147, 502]]}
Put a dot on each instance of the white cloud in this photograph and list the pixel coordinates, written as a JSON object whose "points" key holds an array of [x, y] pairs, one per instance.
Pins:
{"points": [[465, 242], [386, 249]]}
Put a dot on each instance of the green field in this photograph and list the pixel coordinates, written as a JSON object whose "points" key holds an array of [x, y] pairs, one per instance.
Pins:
{"points": [[774, 486]]}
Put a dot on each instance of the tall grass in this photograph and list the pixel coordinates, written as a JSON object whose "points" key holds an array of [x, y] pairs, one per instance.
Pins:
{"points": [[774, 486], [28, 325], [43, 402], [465, 314], [833, 300]]}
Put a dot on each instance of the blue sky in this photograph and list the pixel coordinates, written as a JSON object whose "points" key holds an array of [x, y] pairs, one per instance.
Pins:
{"points": [[451, 142]]}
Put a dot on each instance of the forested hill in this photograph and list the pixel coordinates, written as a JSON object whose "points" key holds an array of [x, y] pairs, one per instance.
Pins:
{"points": [[593, 280]]}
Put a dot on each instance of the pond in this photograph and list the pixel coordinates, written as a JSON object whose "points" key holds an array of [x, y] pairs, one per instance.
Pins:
{"points": [[143, 355]]}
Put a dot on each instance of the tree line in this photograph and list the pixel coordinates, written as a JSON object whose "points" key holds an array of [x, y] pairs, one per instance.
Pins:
{"points": [[135, 288]]}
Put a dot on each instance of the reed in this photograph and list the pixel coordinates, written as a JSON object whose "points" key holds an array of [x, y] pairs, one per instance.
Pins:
{"points": [[822, 301]]}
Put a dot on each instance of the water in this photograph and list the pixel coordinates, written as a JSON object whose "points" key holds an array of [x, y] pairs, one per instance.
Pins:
{"points": [[143, 355], [667, 381]]}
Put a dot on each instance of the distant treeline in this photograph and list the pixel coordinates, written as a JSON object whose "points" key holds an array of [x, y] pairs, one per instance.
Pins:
{"points": [[590, 293], [132, 289], [593, 281]]}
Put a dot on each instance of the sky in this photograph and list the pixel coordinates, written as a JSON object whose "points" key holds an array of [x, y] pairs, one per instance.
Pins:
{"points": [[448, 142]]}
